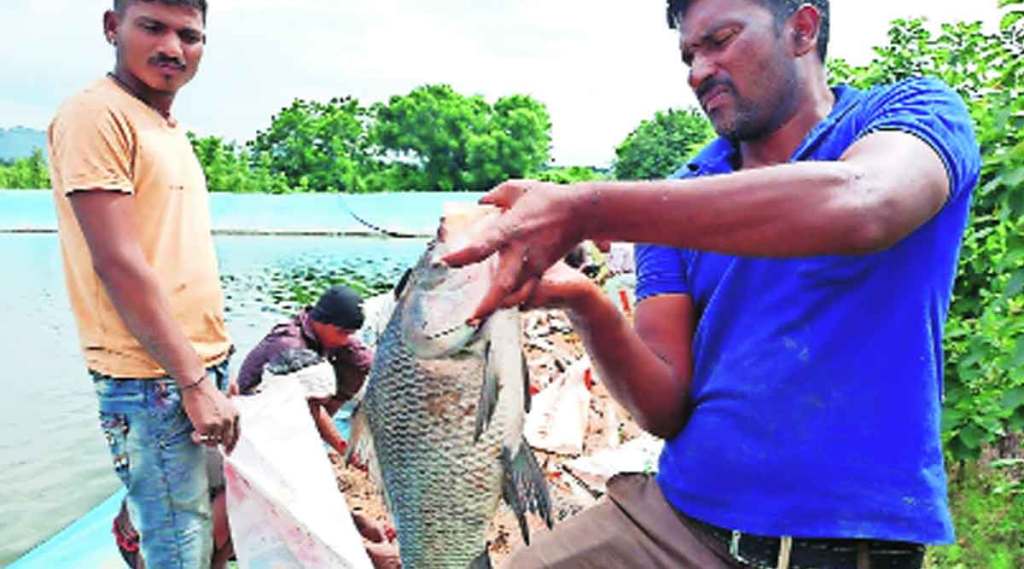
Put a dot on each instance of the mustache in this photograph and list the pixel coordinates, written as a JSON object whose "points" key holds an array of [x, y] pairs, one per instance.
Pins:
{"points": [[712, 82], [161, 59]]}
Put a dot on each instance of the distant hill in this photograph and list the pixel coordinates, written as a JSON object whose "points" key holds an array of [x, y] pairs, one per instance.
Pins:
{"points": [[19, 142]]}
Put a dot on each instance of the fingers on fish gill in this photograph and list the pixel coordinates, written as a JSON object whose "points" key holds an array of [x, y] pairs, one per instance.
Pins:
{"points": [[525, 487]]}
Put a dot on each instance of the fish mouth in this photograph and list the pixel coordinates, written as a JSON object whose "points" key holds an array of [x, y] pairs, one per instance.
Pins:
{"points": [[432, 343], [448, 331]]}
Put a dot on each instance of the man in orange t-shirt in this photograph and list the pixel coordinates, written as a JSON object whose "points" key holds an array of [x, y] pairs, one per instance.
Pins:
{"points": [[141, 274]]}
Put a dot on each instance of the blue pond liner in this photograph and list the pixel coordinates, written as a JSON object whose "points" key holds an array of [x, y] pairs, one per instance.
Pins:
{"points": [[88, 542]]}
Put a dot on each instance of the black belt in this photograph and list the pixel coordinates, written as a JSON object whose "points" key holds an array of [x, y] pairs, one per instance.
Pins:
{"points": [[760, 551]]}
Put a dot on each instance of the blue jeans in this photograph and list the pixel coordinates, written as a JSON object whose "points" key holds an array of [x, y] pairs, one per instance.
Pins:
{"points": [[164, 471]]}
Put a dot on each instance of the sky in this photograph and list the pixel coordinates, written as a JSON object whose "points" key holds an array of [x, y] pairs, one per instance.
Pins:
{"points": [[600, 66]]}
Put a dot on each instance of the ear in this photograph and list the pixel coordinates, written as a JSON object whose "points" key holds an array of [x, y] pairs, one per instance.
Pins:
{"points": [[111, 23], [804, 26]]}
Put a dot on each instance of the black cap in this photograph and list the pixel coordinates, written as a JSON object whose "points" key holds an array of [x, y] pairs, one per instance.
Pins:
{"points": [[339, 306]]}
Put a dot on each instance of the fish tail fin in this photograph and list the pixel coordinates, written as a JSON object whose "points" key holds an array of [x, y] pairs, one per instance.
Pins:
{"points": [[525, 487], [482, 561]]}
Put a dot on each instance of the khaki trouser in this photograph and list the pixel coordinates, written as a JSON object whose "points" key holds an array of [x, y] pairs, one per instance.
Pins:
{"points": [[634, 526]]}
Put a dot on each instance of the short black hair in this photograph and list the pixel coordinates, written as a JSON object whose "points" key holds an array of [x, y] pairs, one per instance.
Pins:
{"points": [[781, 9], [120, 5]]}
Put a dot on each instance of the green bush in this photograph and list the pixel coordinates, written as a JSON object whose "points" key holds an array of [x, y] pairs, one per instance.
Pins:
{"points": [[984, 344], [988, 505], [660, 146], [570, 175], [29, 173]]}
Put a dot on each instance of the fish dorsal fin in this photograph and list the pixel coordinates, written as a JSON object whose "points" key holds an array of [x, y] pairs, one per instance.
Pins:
{"points": [[525, 487], [488, 393]]}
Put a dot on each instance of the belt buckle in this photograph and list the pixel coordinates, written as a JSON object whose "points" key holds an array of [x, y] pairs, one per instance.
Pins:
{"points": [[785, 548], [734, 548]]}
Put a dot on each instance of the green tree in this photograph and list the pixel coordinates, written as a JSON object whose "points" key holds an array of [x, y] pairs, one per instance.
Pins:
{"points": [[515, 144], [29, 173], [984, 344], [660, 146], [437, 139], [229, 168], [320, 147], [570, 175]]}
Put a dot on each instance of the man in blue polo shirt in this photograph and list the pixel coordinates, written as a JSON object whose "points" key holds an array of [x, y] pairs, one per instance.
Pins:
{"points": [[793, 283]]}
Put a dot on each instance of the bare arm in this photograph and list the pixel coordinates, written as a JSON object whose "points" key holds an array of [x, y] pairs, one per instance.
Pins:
{"points": [[107, 220], [323, 418], [647, 370], [883, 188]]}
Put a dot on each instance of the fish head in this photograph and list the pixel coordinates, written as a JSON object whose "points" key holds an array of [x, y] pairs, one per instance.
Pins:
{"points": [[438, 301]]}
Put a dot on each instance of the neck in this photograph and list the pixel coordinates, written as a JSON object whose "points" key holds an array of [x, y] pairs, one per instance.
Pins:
{"points": [[160, 101], [813, 103]]}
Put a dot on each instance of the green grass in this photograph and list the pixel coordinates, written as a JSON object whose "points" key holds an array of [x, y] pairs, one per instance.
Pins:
{"points": [[987, 499]]}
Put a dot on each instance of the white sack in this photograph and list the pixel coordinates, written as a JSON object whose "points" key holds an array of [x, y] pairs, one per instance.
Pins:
{"points": [[284, 506]]}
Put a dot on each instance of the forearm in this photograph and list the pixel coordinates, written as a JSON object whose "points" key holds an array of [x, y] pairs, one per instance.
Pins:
{"points": [[798, 209], [328, 430], [141, 303], [649, 387]]}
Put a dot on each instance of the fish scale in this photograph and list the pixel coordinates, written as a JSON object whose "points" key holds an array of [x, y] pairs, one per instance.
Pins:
{"points": [[443, 488], [445, 406]]}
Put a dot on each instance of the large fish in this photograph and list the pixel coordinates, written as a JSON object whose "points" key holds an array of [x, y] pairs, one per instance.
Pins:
{"points": [[445, 405]]}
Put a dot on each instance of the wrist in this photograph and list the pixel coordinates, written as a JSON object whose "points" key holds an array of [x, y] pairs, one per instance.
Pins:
{"points": [[583, 298], [584, 198], [193, 384]]}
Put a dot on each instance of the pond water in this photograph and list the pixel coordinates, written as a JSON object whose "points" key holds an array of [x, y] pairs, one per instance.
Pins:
{"points": [[54, 465]]}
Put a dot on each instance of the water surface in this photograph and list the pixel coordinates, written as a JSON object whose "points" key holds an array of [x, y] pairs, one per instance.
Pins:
{"points": [[54, 465]]}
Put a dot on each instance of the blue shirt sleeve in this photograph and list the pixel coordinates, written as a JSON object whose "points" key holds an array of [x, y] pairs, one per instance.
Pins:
{"points": [[931, 111], [659, 270]]}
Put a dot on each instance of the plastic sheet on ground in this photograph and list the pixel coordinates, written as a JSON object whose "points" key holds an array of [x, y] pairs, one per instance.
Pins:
{"points": [[558, 414], [639, 455], [284, 506]]}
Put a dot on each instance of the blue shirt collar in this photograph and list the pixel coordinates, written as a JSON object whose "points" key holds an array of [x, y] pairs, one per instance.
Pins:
{"points": [[718, 156]]}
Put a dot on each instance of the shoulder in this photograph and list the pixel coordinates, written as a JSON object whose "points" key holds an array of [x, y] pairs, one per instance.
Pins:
{"points": [[934, 113], [356, 353], [96, 102], [926, 94], [94, 111]]}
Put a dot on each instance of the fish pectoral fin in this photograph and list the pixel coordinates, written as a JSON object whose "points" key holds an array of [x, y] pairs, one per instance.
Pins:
{"points": [[526, 385], [488, 394], [482, 561], [525, 488]]}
